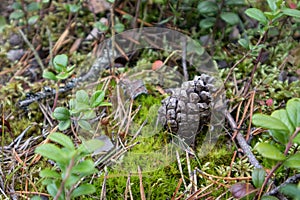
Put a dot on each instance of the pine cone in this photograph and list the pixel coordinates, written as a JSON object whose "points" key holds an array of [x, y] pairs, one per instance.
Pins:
{"points": [[187, 110]]}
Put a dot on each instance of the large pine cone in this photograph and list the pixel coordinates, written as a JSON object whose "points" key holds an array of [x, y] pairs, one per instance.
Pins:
{"points": [[187, 110]]}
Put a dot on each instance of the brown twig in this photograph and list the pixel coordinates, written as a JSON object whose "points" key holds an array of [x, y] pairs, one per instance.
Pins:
{"points": [[138, 19], [242, 142], [292, 179], [128, 188], [222, 178], [142, 191], [103, 190], [177, 189]]}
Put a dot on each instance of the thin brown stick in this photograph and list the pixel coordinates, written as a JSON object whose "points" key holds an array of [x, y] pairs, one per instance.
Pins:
{"points": [[231, 163], [138, 19], [223, 178], [142, 191], [251, 114], [180, 170], [103, 190], [128, 188], [177, 189]]}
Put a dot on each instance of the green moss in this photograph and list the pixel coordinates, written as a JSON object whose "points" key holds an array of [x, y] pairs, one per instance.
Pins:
{"points": [[159, 184]]}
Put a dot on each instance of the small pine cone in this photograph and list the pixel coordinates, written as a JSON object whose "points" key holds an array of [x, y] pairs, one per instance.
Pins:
{"points": [[187, 110]]}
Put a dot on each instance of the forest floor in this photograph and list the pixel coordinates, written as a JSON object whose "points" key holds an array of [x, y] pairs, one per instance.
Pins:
{"points": [[69, 129]]}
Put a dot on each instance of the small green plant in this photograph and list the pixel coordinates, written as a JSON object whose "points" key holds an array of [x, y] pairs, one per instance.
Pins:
{"points": [[63, 71], [81, 110], [283, 126], [268, 19], [66, 180], [27, 13], [212, 12]]}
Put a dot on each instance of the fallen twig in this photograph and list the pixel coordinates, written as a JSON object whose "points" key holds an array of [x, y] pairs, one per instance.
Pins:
{"points": [[292, 179], [142, 191], [242, 142]]}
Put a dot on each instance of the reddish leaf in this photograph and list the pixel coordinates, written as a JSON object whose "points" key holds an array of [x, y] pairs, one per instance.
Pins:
{"points": [[240, 190]]}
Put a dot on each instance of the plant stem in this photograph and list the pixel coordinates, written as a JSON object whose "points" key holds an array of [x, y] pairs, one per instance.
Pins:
{"points": [[68, 173], [288, 146], [56, 96]]}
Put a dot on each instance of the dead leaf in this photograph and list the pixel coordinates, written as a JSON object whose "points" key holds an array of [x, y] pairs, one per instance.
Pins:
{"points": [[98, 6], [240, 190]]}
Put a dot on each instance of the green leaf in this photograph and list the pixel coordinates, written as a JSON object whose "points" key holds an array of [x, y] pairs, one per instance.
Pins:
{"points": [[297, 139], [83, 189], [60, 62], [64, 125], [92, 145], [119, 27], [72, 179], [97, 98], [207, 7], [80, 107], [207, 22], [49, 75], [33, 19], [17, 14], [73, 8], [293, 161], [52, 152], [49, 173], [90, 114], [195, 47], [280, 136], [47, 181], [84, 168], [101, 26], [62, 139], [291, 12], [230, 18], [235, 2], [82, 97], [269, 151], [293, 110], [35, 197], [63, 75], [52, 189], [244, 43], [105, 104], [282, 115], [272, 4], [16, 6], [258, 177], [61, 113], [71, 69], [84, 124], [2, 23], [291, 190], [257, 15], [268, 122], [33, 6]]}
